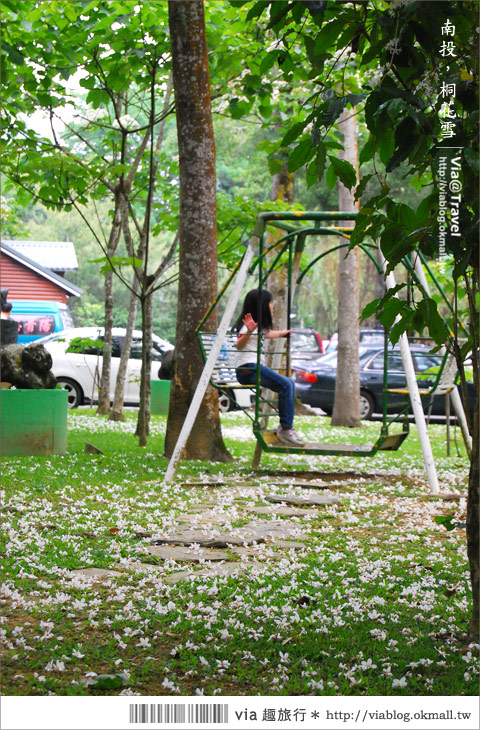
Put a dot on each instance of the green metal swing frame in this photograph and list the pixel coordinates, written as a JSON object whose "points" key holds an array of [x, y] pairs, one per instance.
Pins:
{"points": [[294, 240]]}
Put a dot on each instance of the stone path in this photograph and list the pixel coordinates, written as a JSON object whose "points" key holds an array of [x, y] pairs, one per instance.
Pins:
{"points": [[223, 539]]}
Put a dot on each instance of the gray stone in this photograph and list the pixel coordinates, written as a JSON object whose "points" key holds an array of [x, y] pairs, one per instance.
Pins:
{"points": [[306, 501], [27, 367], [186, 555], [107, 681], [282, 511], [211, 571], [95, 573], [189, 536], [91, 449], [272, 529]]}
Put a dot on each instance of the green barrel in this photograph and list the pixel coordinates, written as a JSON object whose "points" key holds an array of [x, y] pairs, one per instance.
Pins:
{"points": [[33, 422], [159, 397]]}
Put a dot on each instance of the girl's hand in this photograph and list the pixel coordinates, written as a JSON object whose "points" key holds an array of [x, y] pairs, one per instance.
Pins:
{"points": [[249, 323]]}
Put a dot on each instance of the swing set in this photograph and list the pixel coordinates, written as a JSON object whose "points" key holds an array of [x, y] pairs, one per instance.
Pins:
{"points": [[218, 347]]}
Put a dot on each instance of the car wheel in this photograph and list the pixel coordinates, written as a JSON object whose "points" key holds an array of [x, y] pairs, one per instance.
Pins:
{"points": [[366, 405], [74, 392], [327, 410], [226, 402]]}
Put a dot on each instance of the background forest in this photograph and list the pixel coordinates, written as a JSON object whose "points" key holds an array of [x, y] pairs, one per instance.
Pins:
{"points": [[245, 141]]}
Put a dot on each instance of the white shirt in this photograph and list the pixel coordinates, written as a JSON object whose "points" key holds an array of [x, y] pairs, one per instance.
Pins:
{"points": [[249, 353]]}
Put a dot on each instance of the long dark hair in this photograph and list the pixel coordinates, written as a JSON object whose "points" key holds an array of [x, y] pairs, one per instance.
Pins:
{"points": [[257, 303]]}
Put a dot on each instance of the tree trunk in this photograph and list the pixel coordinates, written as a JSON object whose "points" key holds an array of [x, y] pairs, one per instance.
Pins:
{"points": [[143, 421], [197, 286], [104, 391], [116, 413], [346, 409], [473, 547], [473, 502]]}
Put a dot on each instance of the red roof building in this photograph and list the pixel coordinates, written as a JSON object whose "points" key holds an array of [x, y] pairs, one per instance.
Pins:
{"points": [[27, 279]]}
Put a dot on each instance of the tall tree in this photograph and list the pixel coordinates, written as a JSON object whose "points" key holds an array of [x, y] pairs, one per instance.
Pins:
{"points": [[346, 408], [197, 286]]}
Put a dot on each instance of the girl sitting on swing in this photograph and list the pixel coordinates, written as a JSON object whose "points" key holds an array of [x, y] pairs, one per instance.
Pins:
{"points": [[257, 308]]}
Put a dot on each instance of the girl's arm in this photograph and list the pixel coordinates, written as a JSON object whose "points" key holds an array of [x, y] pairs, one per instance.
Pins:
{"points": [[243, 338], [273, 334]]}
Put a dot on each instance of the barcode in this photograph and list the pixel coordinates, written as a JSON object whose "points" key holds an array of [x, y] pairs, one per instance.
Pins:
{"points": [[175, 713]]}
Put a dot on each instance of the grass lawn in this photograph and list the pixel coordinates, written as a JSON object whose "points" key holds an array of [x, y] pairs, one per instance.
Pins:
{"points": [[375, 602]]}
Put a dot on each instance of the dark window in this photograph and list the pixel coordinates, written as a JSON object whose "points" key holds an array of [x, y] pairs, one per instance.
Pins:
{"points": [[425, 362], [41, 325], [394, 364], [136, 348]]}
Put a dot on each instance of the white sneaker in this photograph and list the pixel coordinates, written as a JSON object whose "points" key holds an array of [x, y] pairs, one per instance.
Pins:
{"points": [[289, 436]]}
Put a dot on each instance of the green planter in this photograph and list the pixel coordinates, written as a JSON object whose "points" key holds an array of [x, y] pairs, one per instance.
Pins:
{"points": [[33, 422], [159, 397]]}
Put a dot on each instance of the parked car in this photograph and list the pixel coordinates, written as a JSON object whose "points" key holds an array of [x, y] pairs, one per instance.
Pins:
{"points": [[365, 337], [79, 372], [37, 319], [305, 344], [316, 386]]}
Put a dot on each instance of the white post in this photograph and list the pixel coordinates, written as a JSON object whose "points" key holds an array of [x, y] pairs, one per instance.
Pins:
{"points": [[415, 399], [455, 395], [462, 421], [211, 359]]}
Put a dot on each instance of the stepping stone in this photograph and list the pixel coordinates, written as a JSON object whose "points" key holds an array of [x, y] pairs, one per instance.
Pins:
{"points": [[214, 570], [189, 536], [306, 501], [185, 555], [283, 511], [96, 573], [317, 485], [268, 529], [260, 554]]}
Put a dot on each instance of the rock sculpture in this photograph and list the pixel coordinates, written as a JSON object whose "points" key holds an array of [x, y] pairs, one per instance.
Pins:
{"points": [[27, 367]]}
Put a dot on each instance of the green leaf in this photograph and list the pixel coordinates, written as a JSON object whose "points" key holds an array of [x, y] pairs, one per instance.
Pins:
{"points": [[344, 171], [300, 155], [326, 40], [70, 12], [80, 343], [14, 55], [445, 520], [360, 189], [275, 165], [386, 147], [367, 151], [330, 177], [257, 9], [320, 160], [370, 309], [293, 133], [268, 62]]}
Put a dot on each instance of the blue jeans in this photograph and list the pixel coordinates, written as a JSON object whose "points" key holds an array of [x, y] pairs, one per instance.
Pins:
{"points": [[285, 387]]}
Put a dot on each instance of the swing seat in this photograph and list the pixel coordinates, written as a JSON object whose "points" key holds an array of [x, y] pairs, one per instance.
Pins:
{"points": [[270, 442], [392, 442]]}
